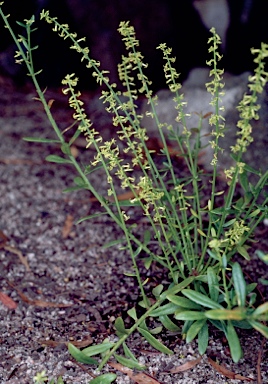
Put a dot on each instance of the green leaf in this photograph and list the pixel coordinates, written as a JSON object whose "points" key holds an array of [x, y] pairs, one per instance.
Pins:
{"points": [[167, 309], [177, 288], [147, 262], [251, 170], [262, 256], [226, 314], [127, 203], [259, 327], [189, 315], [183, 302], [58, 159], [218, 211], [132, 313], [194, 330], [203, 339], [41, 140], [229, 223], [243, 252], [144, 326], [21, 24], [129, 363], [243, 178], [157, 290], [24, 42], [146, 237], [250, 287], [128, 353], [154, 342], [202, 278], [224, 261], [106, 378], [201, 299], [80, 356], [234, 343], [80, 182], [65, 148], [113, 242], [262, 309], [144, 303], [97, 349], [72, 189], [239, 284], [92, 217], [254, 213], [76, 134], [168, 324], [137, 251], [201, 232], [219, 324], [243, 324], [156, 331], [120, 326], [213, 284]]}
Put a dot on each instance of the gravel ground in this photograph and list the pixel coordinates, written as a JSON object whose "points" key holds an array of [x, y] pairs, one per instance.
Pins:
{"points": [[66, 286]]}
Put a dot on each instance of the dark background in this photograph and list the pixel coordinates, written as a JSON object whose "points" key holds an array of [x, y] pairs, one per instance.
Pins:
{"points": [[175, 22]]}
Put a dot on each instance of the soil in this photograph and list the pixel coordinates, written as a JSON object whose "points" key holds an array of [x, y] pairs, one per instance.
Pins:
{"points": [[62, 285]]}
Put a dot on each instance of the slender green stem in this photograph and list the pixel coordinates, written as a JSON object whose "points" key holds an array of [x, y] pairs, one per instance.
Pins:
{"points": [[129, 332]]}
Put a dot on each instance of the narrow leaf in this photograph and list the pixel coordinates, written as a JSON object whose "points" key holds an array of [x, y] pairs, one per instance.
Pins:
{"points": [[201, 232], [213, 284], [40, 140], [189, 315], [183, 302], [177, 288], [168, 324], [154, 342], [129, 363], [263, 308], [167, 309], [92, 217], [21, 24], [132, 313], [254, 213], [157, 290], [58, 159], [113, 242], [80, 182], [120, 326], [80, 356], [201, 299], [243, 252], [234, 343], [128, 353], [146, 237], [203, 339], [65, 148], [239, 284], [263, 329], [97, 349], [226, 314], [194, 330], [262, 256], [156, 331], [243, 178], [106, 378]]}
